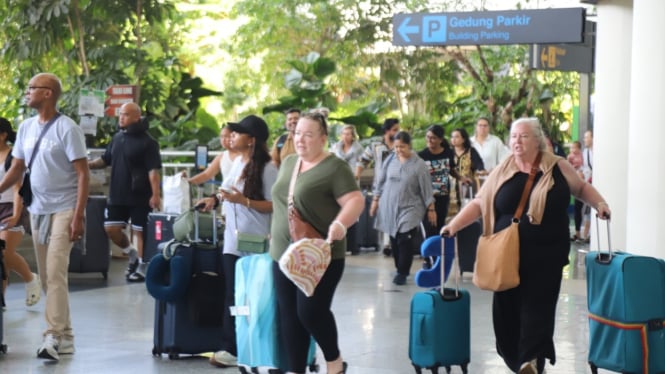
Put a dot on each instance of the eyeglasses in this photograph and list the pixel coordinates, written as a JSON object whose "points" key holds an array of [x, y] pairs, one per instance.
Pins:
{"points": [[32, 88]]}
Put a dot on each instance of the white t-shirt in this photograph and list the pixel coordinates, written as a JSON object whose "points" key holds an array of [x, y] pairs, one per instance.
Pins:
{"points": [[53, 178], [225, 164], [492, 151], [249, 220]]}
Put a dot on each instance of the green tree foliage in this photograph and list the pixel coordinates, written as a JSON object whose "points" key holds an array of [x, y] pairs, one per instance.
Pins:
{"points": [[95, 44]]}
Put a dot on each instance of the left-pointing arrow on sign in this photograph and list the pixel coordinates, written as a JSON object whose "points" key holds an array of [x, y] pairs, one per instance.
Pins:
{"points": [[405, 29]]}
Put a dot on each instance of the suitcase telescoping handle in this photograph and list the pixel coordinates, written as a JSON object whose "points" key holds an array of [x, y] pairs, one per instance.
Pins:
{"points": [[455, 264], [197, 237], [604, 258]]}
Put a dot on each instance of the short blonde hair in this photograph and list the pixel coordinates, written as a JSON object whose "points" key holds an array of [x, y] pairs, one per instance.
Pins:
{"points": [[353, 131]]}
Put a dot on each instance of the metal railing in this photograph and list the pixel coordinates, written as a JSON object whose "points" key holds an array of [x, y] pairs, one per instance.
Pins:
{"points": [[168, 168]]}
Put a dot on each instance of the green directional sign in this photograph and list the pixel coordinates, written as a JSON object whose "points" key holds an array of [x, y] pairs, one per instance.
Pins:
{"points": [[562, 25]]}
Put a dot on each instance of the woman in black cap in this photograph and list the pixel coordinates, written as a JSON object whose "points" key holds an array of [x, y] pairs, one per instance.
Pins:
{"points": [[11, 210], [247, 201]]}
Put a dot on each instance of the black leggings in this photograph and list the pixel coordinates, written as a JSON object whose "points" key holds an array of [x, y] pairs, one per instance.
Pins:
{"points": [[404, 245], [579, 205], [301, 316]]}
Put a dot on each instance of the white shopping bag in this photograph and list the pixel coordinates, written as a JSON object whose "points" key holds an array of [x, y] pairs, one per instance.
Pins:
{"points": [[176, 194]]}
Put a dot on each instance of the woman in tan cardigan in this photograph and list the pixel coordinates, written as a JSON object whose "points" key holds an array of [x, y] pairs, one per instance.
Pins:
{"points": [[524, 316]]}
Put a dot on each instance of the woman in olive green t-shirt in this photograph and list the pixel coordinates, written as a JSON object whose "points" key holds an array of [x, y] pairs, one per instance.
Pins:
{"points": [[327, 196]]}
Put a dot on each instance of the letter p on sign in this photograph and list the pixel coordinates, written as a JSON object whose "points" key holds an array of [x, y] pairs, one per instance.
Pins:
{"points": [[434, 29]]}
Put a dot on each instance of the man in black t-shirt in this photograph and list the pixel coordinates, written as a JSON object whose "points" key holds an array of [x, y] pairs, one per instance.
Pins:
{"points": [[134, 187]]}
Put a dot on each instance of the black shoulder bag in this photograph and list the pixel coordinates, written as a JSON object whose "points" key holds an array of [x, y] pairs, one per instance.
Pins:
{"points": [[26, 189]]}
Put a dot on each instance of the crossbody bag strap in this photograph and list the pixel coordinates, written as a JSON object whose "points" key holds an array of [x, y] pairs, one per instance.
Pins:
{"points": [[39, 140], [527, 188], [292, 183]]}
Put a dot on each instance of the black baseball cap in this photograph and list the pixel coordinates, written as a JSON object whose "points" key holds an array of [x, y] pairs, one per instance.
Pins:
{"points": [[252, 125]]}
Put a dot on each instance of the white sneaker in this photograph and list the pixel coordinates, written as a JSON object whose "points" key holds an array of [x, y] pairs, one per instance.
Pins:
{"points": [[66, 346], [33, 291], [223, 359], [49, 348]]}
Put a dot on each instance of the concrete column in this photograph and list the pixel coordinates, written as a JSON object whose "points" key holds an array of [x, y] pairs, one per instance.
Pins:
{"points": [[611, 117], [646, 173]]}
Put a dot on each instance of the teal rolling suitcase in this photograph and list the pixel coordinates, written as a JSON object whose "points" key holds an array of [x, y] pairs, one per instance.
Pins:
{"points": [[626, 300], [440, 326]]}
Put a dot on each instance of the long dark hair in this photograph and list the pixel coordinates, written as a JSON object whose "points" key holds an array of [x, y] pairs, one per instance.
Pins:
{"points": [[465, 136], [440, 133], [252, 174]]}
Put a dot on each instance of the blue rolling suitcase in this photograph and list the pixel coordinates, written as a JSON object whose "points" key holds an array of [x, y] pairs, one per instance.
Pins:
{"points": [[440, 326], [255, 313], [626, 300], [188, 315]]}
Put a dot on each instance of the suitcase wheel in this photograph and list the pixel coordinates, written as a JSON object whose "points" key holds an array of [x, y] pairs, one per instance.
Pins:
{"points": [[3, 348], [465, 368], [156, 352], [105, 275], [243, 370], [314, 368], [418, 369], [271, 371], [174, 355], [447, 369]]}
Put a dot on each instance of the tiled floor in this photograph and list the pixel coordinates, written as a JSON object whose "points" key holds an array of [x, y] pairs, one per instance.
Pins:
{"points": [[113, 324]]}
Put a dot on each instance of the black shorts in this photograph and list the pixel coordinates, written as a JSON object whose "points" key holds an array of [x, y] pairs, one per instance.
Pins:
{"points": [[119, 215]]}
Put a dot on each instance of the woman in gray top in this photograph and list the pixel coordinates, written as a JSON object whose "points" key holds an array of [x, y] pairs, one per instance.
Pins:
{"points": [[402, 194]]}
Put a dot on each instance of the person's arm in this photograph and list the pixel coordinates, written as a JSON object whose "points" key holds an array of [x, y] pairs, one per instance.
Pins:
{"points": [[97, 163], [584, 191], [82, 191], [237, 197], [14, 175], [366, 157], [209, 203], [477, 161], [352, 205], [377, 188], [155, 199], [12, 220], [209, 173], [469, 214]]}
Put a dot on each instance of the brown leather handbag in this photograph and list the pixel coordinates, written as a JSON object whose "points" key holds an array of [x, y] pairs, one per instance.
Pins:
{"points": [[298, 228], [497, 266]]}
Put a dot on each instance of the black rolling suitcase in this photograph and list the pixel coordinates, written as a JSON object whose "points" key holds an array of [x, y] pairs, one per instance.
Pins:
{"points": [[188, 320], [467, 238], [92, 254], [159, 230], [366, 235]]}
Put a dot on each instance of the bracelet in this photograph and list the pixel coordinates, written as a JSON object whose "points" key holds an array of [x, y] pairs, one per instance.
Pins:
{"points": [[247, 201], [340, 224]]}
